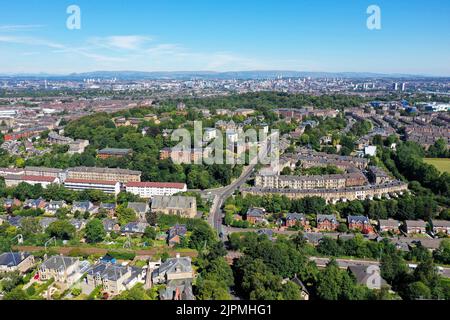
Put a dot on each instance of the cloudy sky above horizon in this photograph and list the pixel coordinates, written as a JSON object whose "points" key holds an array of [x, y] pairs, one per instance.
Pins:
{"points": [[231, 35]]}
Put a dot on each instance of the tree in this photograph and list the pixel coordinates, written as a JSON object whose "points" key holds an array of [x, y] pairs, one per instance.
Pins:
{"points": [[419, 291], [125, 215], [328, 287], [61, 229], [150, 233], [16, 294], [95, 232], [30, 226]]}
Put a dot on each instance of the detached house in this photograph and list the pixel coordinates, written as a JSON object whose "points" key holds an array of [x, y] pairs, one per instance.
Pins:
{"points": [[62, 269], [326, 222], [368, 276], [34, 204], [111, 225], [296, 219], [175, 233], [256, 215], [54, 206], [360, 223], [113, 278], [135, 227], [16, 261], [83, 206]]}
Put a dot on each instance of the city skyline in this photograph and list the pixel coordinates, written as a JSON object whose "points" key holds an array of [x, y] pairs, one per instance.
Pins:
{"points": [[204, 36]]}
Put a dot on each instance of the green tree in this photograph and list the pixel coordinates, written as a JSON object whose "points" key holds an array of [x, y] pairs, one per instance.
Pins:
{"points": [[95, 232]]}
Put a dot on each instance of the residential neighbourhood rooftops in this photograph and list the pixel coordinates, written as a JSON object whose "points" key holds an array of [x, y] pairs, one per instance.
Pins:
{"points": [[59, 262], [256, 212], [173, 202], [12, 259]]}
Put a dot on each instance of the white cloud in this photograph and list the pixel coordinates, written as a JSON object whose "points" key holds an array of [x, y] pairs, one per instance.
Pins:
{"points": [[20, 27], [130, 42]]}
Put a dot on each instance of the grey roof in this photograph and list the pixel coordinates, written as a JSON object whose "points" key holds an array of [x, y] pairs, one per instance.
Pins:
{"points": [[298, 282], [173, 202], [15, 221], [356, 219], [388, 223], [108, 206], [112, 271], [83, 205], [183, 286], [172, 265], [77, 223], [135, 227], [104, 170], [109, 224], [59, 262], [414, 223], [441, 223], [115, 151], [362, 276], [256, 212], [295, 216], [329, 217], [12, 259], [46, 222], [139, 207]]}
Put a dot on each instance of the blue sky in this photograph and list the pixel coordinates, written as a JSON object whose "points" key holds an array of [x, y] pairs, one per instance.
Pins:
{"points": [[225, 35]]}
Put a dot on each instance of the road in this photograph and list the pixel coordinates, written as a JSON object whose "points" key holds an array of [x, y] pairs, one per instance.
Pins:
{"points": [[216, 215]]}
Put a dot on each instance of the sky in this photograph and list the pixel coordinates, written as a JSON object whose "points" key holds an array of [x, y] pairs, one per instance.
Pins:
{"points": [[225, 35]]}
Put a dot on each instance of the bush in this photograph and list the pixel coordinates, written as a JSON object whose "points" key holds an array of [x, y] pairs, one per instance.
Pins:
{"points": [[122, 255]]}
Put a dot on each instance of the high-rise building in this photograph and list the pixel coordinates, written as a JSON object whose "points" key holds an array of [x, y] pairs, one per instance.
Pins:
{"points": [[395, 86]]}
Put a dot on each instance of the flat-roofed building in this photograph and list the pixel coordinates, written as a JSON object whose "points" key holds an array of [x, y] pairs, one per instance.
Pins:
{"points": [[147, 190], [13, 181], [110, 187], [104, 174], [175, 205], [114, 153]]}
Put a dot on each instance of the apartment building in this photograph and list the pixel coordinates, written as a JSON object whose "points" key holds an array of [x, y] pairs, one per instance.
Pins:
{"points": [[13, 181], [111, 187], [148, 190], [335, 181], [104, 174], [114, 153]]}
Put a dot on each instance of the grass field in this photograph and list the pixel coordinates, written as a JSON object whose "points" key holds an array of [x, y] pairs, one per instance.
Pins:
{"points": [[443, 165]]}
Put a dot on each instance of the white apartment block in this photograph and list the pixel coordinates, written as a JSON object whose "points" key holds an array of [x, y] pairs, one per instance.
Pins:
{"points": [[111, 187], [148, 190]]}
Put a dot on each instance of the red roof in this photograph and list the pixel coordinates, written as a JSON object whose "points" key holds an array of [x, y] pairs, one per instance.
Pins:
{"points": [[173, 185], [85, 181], [38, 178]]}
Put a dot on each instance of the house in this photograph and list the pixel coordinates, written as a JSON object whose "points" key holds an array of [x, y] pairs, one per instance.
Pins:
{"points": [[45, 222], [63, 269], [15, 221], [256, 215], [304, 293], [326, 222], [368, 276], [172, 269], [296, 219], [413, 226], [111, 225], [141, 208], [114, 278], [16, 261], [389, 225], [53, 206], [110, 208], [34, 204], [175, 233], [441, 226], [360, 223], [177, 290], [175, 205], [78, 223], [83, 206], [135, 227], [11, 203], [266, 232]]}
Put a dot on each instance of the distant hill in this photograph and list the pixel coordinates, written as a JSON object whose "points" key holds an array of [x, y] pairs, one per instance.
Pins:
{"points": [[210, 75]]}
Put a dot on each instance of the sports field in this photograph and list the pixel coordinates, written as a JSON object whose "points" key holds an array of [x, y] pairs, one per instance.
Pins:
{"points": [[443, 165]]}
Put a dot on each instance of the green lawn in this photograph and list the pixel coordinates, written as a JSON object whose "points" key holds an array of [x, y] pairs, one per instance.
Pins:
{"points": [[443, 165]]}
